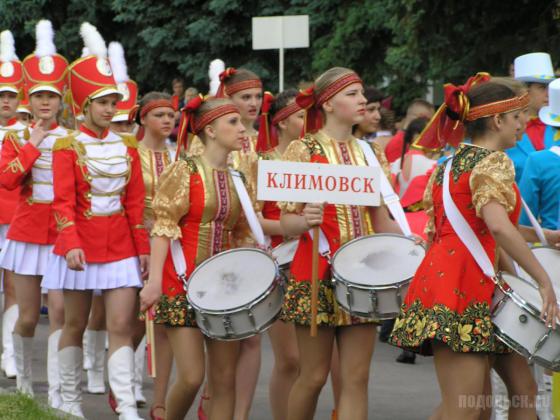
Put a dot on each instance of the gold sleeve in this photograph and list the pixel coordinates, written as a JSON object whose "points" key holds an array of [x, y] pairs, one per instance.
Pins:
{"points": [[171, 202], [297, 151], [242, 234], [380, 154], [492, 179], [249, 168], [429, 204], [196, 147]]}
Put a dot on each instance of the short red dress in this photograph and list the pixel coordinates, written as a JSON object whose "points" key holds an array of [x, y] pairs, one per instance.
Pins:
{"points": [[449, 297]]}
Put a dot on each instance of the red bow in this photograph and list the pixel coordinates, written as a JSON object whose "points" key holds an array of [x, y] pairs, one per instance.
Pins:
{"points": [[226, 74], [186, 123], [313, 120], [265, 140]]}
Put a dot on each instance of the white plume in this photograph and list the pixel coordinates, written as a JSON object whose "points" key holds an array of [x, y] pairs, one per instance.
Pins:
{"points": [[85, 52], [93, 40], [216, 67], [44, 35], [118, 62], [7, 47]]}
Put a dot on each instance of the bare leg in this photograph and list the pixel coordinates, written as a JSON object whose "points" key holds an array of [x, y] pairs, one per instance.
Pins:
{"points": [[248, 368], [97, 316], [315, 362], [9, 289], [223, 365], [56, 310], [286, 365], [520, 383], [335, 375], [28, 296], [460, 377], [121, 317], [355, 346], [190, 370], [77, 304], [164, 362]]}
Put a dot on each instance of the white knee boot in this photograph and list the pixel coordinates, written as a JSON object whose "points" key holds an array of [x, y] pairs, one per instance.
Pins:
{"points": [[96, 373], [121, 370], [70, 368], [23, 351], [500, 395], [8, 362], [139, 362], [52, 370]]}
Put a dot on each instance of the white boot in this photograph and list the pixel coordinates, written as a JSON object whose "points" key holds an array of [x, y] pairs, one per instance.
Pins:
{"points": [[121, 369], [70, 368], [8, 323], [96, 373], [88, 345], [500, 395], [544, 395], [139, 361], [52, 370], [23, 351]]}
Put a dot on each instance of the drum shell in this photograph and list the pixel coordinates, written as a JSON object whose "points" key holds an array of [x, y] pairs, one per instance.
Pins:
{"points": [[358, 300], [518, 325]]}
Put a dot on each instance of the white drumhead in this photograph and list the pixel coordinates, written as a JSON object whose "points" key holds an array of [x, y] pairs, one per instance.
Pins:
{"points": [[284, 253], [524, 289], [231, 279], [378, 260], [550, 260]]}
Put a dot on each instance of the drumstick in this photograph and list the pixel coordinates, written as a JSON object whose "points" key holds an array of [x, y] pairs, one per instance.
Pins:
{"points": [[151, 349], [314, 281]]}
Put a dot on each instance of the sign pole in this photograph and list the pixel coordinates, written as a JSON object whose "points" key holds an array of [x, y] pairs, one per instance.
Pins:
{"points": [[281, 69], [314, 281]]}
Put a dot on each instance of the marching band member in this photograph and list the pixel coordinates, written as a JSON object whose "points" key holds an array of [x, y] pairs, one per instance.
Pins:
{"points": [[534, 69], [279, 126], [102, 243], [197, 204], [26, 162], [335, 102], [23, 112], [156, 116], [11, 85], [447, 309]]}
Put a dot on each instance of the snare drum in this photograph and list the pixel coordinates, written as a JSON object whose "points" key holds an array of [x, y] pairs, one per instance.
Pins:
{"points": [[284, 254], [235, 294], [516, 308], [550, 260], [372, 274]]}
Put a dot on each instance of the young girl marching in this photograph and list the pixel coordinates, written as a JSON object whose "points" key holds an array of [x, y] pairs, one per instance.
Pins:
{"points": [[196, 203], [281, 123], [335, 102], [102, 243], [27, 162], [447, 309], [11, 88]]}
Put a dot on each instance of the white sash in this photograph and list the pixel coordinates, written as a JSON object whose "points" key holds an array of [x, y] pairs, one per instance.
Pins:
{"points": [[463, 229], [390, 198]]}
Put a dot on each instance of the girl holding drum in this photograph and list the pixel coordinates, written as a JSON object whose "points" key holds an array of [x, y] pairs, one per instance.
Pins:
{"points": [[196, 203], [283, 124], [336, 103], [447, 309]]}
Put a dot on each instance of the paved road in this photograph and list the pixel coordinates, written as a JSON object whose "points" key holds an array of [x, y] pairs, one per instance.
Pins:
{"points": [[397, 392]]}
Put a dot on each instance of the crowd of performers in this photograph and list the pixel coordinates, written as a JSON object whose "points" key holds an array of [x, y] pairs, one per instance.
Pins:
{"points": [[89, 212]]}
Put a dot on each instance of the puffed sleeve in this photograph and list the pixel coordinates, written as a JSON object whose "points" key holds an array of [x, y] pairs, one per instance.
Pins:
{"points": [[380, 155], [249, 168], [171, 202], [492, 179], [428, 202], [297, 151]]}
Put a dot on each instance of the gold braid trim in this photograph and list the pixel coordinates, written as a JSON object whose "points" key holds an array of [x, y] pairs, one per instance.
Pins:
{"points": [[129, 140]]}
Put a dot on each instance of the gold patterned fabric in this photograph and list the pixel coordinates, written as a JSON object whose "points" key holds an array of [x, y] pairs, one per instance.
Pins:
{"points": [[428, 204]]}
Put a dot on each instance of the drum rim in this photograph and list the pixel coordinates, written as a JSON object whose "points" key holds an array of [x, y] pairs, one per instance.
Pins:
{"points": [[265, 327], [257, 299], [337, 279], [285, 243], [336, 275]]}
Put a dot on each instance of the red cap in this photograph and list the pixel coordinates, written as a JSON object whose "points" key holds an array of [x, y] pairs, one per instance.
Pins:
{"points": [[11, 69]]}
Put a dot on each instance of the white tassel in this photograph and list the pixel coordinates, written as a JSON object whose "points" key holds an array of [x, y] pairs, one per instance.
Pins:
{"points": [[216, 67], [45, 39], [7, 47], [118, 62], [93, 40]]}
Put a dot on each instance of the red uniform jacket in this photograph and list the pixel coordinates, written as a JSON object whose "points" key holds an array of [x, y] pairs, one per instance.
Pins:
{"points": [[9, 199], [99, 197]]}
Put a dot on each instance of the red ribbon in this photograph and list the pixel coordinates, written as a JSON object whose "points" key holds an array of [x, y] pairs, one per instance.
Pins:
{"points": [[226, 74], [185, 124]]}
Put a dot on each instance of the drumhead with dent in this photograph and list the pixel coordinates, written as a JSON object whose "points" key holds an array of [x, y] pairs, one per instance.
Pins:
{"points": [[378, 260], [231, 279], [284, 253]]}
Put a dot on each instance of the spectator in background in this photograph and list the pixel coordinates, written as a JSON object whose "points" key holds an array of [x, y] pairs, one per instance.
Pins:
{"points": [[418, 108], [367, 129], [386, 127], [178, 97], [190, 93]]}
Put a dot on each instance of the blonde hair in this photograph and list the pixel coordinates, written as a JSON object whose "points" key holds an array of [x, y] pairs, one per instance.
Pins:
{"points": [[519, 88], [207, 106], [326, 79]]}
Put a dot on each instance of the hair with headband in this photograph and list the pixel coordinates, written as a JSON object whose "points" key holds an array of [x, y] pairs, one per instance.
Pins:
{"points": [[326, 86], [461, 108], [149, 102], [198, 113], [235, 80]]}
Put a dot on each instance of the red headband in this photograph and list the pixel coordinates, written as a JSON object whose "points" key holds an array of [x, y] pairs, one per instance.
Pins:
{"points": [[499, 107], [156, 103], [224, 91], [189, 123], [308, 100], [285, 112]]}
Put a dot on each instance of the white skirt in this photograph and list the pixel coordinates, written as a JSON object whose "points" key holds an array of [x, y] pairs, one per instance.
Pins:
{"points": [[3, 233], [100, 276], [25, 258]]}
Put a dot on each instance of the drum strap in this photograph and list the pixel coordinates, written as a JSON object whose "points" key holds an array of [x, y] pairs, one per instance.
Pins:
{"points": [[324, 247], [390, 198], [248, 209], [538, 229], [463, 229], [178, 258]]}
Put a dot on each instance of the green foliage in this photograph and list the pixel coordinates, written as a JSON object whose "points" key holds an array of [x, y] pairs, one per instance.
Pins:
{"points": [[398, 44], [19, 406]]}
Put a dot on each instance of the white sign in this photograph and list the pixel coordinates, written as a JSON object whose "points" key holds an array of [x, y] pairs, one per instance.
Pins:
{"points": [[280, 32], [317, 183]]}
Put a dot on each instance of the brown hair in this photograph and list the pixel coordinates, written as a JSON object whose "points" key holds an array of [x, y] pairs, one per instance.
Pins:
{"points": [[482, 94], [519, 88], [240, 75], [207, 106], [146, 99], [326, 79]]}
